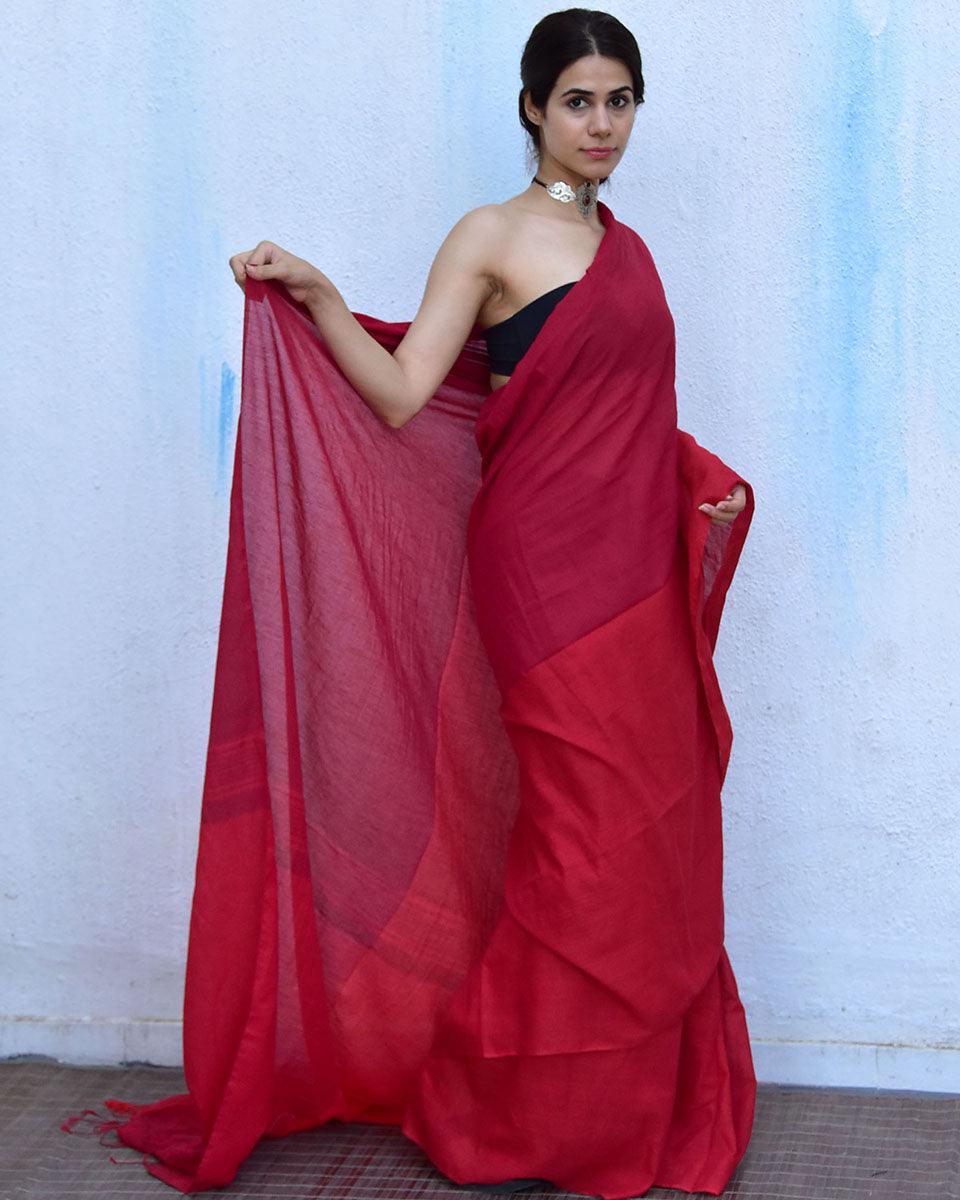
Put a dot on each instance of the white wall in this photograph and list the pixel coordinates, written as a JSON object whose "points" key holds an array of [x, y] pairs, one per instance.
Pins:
{"points": [[793, 171]]}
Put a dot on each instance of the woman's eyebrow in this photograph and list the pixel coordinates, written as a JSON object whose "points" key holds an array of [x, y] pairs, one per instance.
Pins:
{"points": [[624, 87]]}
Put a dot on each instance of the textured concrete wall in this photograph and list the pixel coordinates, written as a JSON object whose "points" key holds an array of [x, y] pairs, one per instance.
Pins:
{"points": [[794, 171]]}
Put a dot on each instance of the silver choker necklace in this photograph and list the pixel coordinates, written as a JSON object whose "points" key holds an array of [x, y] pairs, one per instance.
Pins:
{"points": [[585, 195]]}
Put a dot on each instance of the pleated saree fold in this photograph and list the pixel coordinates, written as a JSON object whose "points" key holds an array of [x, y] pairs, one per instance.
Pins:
{"points": [[460, 859]]}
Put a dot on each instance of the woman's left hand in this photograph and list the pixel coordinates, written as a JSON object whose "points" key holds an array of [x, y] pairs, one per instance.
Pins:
{"points": [[724, 511]]}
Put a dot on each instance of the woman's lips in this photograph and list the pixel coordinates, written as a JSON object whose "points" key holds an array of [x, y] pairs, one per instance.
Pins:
{"points": [[599, 152]]}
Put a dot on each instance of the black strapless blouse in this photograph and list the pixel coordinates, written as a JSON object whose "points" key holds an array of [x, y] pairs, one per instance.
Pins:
{"points": [[509, 340]]}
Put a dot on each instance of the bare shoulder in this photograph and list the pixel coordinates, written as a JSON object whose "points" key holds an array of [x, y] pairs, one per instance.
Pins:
{"points": [[476, 240]]}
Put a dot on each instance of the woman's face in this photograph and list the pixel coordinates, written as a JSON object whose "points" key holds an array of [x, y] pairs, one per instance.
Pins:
{"points": [[591, 106]]}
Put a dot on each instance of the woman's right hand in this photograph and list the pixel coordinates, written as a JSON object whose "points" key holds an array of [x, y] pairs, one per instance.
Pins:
{"points": [[270, 261]]}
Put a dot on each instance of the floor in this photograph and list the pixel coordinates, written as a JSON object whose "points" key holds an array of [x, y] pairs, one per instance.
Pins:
{"points": [[807, 1144]]}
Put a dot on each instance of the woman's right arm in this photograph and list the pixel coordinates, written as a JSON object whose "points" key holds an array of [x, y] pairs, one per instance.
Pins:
{"points": [[396, 386]]}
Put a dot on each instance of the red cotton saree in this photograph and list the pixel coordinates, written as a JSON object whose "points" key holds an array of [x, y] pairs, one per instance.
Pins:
{"points": [[460, 857]]}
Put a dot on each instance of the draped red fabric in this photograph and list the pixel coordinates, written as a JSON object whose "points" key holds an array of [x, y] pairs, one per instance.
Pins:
{"points": [[460, 860]]}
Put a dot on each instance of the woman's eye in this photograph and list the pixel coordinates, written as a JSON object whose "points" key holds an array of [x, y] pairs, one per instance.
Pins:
{"points": [[575, 102]]}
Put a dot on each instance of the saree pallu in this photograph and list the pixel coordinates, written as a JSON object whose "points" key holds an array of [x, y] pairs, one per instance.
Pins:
{"points": [[460, 859]]}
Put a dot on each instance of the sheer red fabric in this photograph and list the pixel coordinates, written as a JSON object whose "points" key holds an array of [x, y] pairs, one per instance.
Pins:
{"points": [[460, 860]]}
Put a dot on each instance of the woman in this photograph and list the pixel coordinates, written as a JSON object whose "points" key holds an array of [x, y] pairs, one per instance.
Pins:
{"points": [[460, 864]]}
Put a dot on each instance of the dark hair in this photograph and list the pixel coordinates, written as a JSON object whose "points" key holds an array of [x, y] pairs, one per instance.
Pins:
{"points": [[558, 40]]}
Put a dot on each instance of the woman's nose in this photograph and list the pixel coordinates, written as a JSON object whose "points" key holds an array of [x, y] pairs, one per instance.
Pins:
{"points": [[600, 123]]}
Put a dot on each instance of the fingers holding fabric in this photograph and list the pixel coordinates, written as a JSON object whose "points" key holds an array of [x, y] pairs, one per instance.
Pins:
{"points": [[725, 510], [267, 260]]}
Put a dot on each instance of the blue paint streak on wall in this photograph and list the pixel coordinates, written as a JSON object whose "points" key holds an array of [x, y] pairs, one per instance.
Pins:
{"points": [[182, 247], [849, 424], [479, 71], [218, 392], [225, 427], [935, 246]]}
